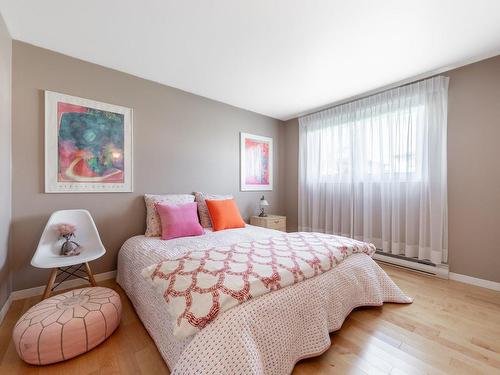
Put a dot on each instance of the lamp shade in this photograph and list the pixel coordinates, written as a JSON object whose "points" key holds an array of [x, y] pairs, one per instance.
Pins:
{"points": [[264, 203]]}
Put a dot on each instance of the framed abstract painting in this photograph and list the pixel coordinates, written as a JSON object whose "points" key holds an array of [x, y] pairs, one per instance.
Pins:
{"points": [[256, 162], [88, 145]]}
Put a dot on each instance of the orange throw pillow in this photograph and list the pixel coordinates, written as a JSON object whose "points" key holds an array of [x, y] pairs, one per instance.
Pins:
{"points": [[224, 214]]}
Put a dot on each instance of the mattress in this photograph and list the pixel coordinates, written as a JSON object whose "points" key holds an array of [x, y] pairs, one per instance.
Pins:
{"points": [[266, 335]]}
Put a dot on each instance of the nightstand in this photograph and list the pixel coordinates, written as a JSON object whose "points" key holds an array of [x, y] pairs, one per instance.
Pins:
{"points": [[270, 221]]}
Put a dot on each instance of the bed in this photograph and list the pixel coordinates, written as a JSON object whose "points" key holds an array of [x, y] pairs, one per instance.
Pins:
{"points": [[266, 335]]}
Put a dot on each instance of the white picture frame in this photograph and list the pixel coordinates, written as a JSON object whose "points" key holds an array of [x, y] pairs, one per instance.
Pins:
{"points": [[77, 159], [256, 162]]}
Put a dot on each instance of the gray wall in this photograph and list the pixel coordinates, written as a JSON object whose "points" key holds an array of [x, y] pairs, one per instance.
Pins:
{"points": [[182, 143], [5, 159], [473, 169]]}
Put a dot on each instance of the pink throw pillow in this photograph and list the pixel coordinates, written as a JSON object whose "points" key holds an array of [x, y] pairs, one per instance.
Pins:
{"points": [[178, 220]]}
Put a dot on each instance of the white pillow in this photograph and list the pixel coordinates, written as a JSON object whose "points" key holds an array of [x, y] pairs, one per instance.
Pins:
{"points": [[153, 225], [202, 206]]}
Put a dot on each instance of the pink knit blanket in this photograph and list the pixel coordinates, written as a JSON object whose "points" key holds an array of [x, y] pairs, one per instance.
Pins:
{"points": [[202, 284]]}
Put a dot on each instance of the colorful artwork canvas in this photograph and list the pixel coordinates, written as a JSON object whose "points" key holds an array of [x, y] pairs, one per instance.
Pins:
{"points": [[92, 142], [256, 162]]}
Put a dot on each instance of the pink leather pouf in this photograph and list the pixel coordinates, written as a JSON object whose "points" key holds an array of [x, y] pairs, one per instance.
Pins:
{"points": [[67, 325]]}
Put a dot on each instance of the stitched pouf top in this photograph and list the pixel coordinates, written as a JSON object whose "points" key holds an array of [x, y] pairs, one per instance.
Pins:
{"points": [[66, 325]]}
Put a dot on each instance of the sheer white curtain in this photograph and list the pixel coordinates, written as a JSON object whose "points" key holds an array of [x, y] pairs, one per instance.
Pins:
{"points": [[375, 170]]}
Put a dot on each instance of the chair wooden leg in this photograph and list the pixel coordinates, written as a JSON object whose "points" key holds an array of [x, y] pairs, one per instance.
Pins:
{"points": [[90, 275], [50, 283]]}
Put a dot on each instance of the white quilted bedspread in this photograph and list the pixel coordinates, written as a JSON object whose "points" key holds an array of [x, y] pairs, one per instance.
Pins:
{"points": [[266, 335]]}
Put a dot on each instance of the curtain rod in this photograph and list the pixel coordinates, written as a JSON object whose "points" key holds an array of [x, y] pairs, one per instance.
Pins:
{"points": [[401, 83]]}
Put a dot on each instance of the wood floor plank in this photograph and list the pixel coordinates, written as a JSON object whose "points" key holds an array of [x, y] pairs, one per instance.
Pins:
{"points": [[451, 328]]}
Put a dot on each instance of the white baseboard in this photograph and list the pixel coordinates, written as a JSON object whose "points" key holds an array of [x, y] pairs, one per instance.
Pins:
{"points": [[38, 290], [440, 271], [475, 281]]}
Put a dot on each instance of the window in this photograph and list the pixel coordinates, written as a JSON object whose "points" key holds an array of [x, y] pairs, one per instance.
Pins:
{"points": [[386, 147]]}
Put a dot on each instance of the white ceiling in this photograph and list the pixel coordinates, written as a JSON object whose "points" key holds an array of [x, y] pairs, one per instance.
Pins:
{"points": [[276, 57]]}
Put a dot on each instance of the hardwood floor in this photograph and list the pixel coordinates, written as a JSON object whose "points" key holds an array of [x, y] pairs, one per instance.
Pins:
{"points": [[129, 350], [451, 328]]}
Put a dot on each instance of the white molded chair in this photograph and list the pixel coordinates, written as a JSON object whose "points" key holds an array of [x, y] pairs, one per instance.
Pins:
{"points": [[47, 254]]}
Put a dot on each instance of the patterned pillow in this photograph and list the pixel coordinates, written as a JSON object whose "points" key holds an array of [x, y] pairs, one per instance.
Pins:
{"points": [[202, 206], [153, 224]]}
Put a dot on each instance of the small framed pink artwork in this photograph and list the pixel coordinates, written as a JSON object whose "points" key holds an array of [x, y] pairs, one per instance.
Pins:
{"points": [[256, 162]]}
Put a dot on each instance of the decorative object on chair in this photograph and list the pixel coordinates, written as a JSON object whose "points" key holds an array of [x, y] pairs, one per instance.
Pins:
{"points": [[48, 252], [69, 247], [263, 204], [256, 162], [88, 145], [67, 325]]}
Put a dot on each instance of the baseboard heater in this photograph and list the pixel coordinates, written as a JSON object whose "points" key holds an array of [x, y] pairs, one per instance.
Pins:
{"points": [[424, 266]]}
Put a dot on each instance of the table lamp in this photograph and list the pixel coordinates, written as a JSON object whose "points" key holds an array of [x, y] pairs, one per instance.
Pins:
{"points": [[263, 203]]}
